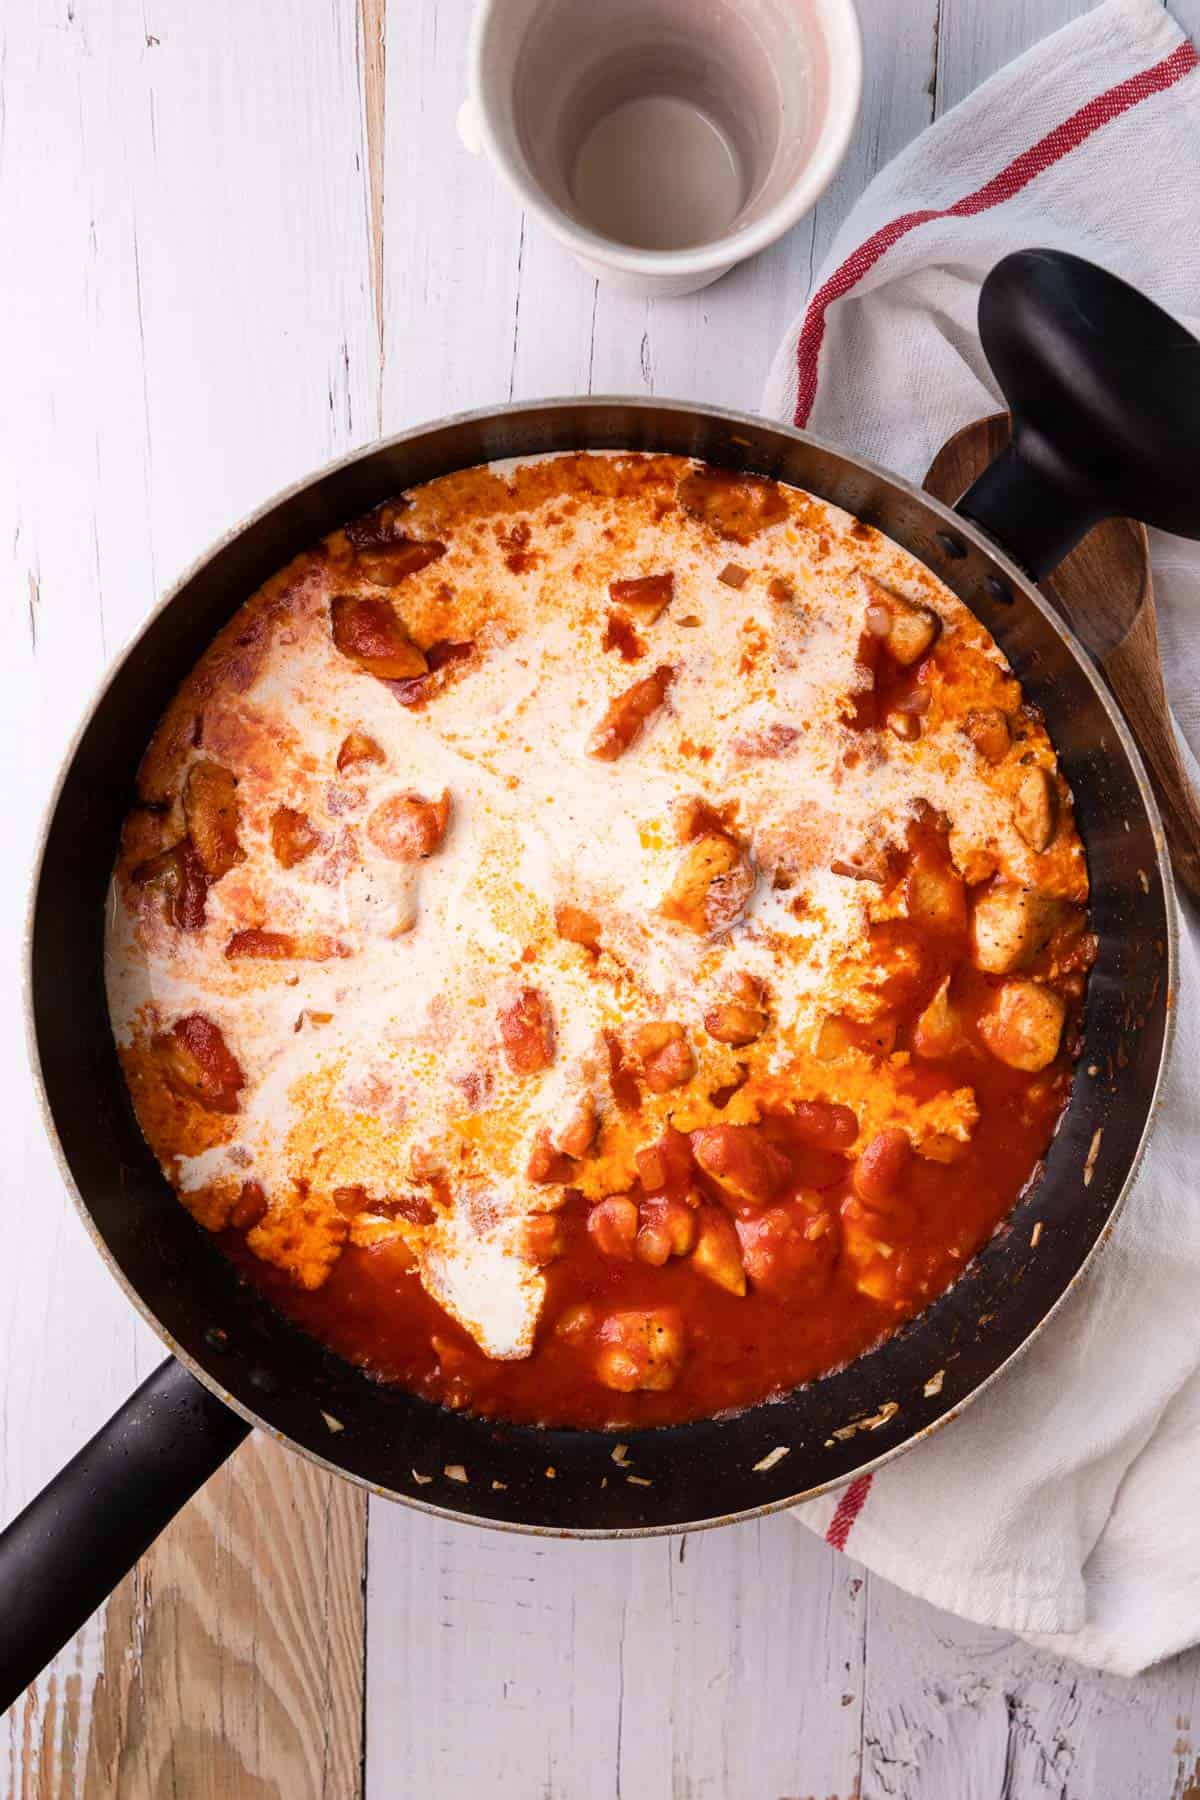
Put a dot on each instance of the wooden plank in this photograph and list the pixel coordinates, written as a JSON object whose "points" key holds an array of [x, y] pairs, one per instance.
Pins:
{"points": [[229, 1663], [188, 325], [955, 1708], [975, 40], [722, 1666]]}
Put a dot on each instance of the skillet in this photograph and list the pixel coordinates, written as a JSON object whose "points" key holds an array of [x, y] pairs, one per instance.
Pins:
{"points": [[1105, 394]]}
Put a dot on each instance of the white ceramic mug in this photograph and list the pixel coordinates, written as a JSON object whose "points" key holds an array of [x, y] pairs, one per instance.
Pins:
{"points": [[663, 141]]}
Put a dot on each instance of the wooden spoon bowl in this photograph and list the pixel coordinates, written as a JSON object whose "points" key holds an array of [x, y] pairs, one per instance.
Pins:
{"points": [[1105, 591]]}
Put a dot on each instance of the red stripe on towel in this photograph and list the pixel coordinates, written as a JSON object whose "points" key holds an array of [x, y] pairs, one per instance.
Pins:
{"points": [[848, 1509], [1018, 174]]}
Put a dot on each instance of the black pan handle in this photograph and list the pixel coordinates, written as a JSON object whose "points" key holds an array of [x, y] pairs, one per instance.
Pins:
{"points": [[82, 1533], [1104, 392]]}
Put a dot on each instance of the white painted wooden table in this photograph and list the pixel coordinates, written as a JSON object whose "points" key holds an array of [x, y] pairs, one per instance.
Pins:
{"points": [[236, 240]]}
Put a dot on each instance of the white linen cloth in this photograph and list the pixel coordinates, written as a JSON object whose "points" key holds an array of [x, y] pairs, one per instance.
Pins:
{"points": [[1064, 1504]]}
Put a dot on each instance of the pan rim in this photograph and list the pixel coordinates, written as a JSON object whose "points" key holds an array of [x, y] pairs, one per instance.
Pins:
{"points": [[958, 524]]}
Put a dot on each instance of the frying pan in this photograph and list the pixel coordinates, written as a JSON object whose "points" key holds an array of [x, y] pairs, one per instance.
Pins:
{"points": [[1105, 394]]}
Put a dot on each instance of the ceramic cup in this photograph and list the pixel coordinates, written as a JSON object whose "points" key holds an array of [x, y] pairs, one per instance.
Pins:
{"points": [[663, 141]]}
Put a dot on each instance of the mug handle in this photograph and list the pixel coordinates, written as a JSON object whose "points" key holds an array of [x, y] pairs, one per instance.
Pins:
{"points": [[1104, 391]]}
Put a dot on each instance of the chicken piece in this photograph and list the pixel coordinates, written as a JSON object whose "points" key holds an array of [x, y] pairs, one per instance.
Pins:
{"points": [[527, 1032], [407, 827], [936, 898], [578, 1135], [1035, 809], [713, 881], [293, 836], [666, 1056], [789, 1251], [577, 926], [1023, 1025], [669, 1163], [211, 810], [943, 1126], [369, 634], [869, 1251], [178, 875], [198, 1064], [742, 1018], [641, 1349], [357, 748], [742, 1161], [305, 1240], [1010, 925], [718, 1253], [613, 1226], [735, 506], [838, 1036], [824, 1124], [989, 731], [888, 972], [647, 597], [905, 628], [667, 1228], [938, 1032], [628, 715]]}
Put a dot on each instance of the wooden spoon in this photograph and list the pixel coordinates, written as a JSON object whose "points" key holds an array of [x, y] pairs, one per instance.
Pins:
{"points": [[1105, 591]]}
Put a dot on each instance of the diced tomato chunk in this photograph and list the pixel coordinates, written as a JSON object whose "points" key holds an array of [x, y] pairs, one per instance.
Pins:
{"points": [[646, 596], [249, 1207], [547, 1166], [577, 926], [199, 1065], [628, 715], [735, 506], [790, 1250], [356, 748], [527, 1032], [293, 836], [211, 810], [369, 633], [742, 1160], [542, 1238], [179, 875]]}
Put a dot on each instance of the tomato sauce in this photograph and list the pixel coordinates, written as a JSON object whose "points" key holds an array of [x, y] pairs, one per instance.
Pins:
{"points": [[739, 1348]]}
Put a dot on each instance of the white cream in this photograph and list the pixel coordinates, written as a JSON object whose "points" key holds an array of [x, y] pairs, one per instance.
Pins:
{"points": [[410, 1054]]}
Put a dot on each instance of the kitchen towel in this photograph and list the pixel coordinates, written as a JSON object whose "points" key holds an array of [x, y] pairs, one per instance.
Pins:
{"points": [[1064, 1504]]}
